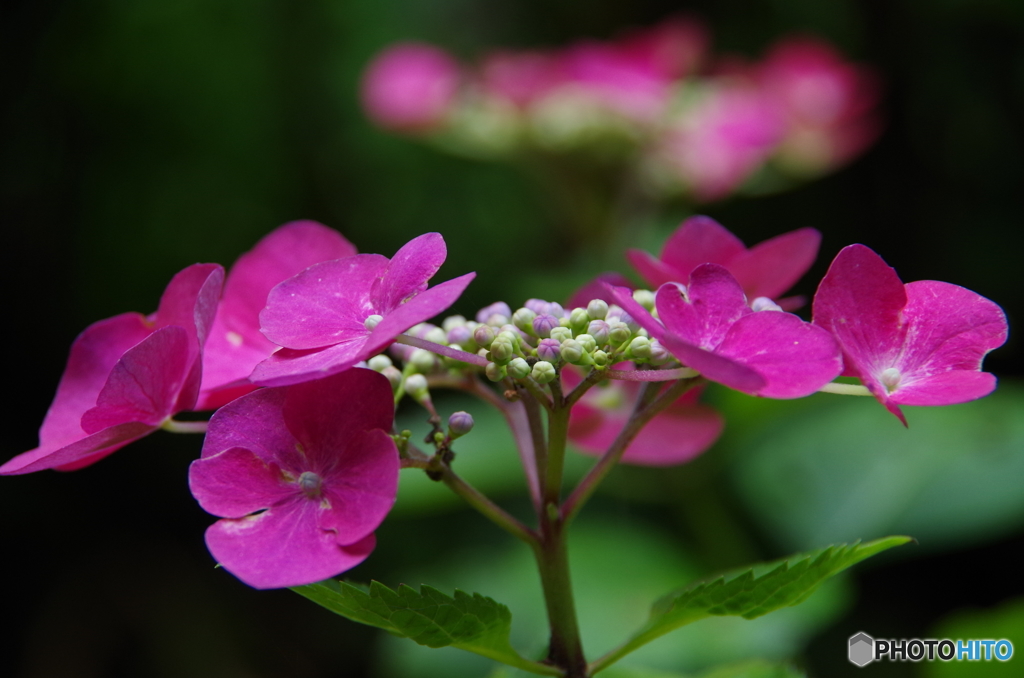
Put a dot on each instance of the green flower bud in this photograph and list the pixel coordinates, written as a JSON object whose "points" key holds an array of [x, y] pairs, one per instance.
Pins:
{"points": [[416, 386], [502, 350], [437, 335], [600, 358], [523, 319], [519, 369], [422, 360], [659, 354], [544, 372], [495, 372], [509, 335], [578, 320], [394, 375], [640, 348], [645, 298], [618, 332], [453, 321], [572, 351], [597, 309], [379, 363], [588, 343], [561, 334]]}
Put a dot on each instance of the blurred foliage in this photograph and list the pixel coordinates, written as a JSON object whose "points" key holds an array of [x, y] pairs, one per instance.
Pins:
{"points": [[1003, 622], [143, 136]]}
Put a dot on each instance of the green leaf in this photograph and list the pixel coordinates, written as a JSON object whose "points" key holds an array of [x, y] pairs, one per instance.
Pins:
{"points": [[470, 622], [748, 593]]}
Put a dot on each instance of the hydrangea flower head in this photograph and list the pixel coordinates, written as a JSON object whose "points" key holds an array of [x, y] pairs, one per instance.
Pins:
{"points": [[336, 313], [126, 376], [916, 344], [301, 477], [410, 87], [766, 270], [236, 345], [709, 327], [684, 430]]}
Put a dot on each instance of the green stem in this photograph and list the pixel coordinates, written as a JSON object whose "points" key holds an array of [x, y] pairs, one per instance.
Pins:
{"points": [[644, 412], [565, 649], [481, 503], [175, 426], [558, 431]]}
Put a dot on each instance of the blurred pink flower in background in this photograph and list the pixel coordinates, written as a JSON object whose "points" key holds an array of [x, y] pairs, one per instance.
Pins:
{"points": [[827, 103], [410, 87]]}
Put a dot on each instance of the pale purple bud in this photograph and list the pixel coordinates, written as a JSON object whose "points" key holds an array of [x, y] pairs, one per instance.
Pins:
{"points": [[549, 350], [459, 335], [543, 324], [659, 354], [598, 329], [453, 321], [459, 424], [483, 335], [497, 308]]}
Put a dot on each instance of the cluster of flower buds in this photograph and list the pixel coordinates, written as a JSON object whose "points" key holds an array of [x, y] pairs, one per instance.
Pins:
{"points": [[655, 98]]}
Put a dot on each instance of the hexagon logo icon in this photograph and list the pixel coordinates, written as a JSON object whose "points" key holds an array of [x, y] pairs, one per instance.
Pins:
{"points": [[862, 649]]}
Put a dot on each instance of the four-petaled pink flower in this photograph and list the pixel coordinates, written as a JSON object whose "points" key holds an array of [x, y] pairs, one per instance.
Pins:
{"points": [[678, 434], [709, 327], [235, 345], [916, 344], [337, 313], [301, 476], [127, 375], [767, 269]]}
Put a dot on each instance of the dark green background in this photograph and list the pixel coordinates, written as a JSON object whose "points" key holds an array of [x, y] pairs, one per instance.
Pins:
{"points": [[142, 136]]}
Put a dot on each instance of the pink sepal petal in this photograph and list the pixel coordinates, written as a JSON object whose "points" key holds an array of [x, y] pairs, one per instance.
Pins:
{"points": [[190, 302], [410, 269], [699, 240], [420, 308], [236, 345], [654, 271], [724, 370], [946, 388], [770, 268], [794, 358], [361, 488], [79, 454], [93, 356], [236, 482], [254, 422], [623, 296], [145, 383], [325, 304], [675, 436], [596, 289], [282, 546], [715, 302], [287, 366]]}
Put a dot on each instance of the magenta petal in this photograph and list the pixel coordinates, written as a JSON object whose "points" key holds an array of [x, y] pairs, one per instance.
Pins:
{"points": [[945, 388], [235, 345], [860, 300], [654, 271], [623, 296], [948, 328], [286, 367], [236, 482], [595, 289], [420, 308], [410, 269], [254, 422], [323, 305], [93, 356], [675, 436], [144, 384], [795, 358], [361, 488], [324, 415], [700, 240], [716, 301], [283, 546], [78, 454], [770, 268], [724, 370]]}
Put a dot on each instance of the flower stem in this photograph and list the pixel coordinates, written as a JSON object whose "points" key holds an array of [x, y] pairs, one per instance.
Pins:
{"points": [[646, 409], [845, 389], [652, 375], [484, 505], [565, 649], [175, 426], [454, 354]]}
